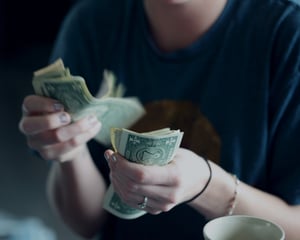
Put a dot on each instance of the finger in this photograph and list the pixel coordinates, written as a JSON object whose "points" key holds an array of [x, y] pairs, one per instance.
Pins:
{"points": [[163, 198], [34, 104], [57, 151], [75, 133], [148, 175], [35, 124], [76, 130], [151, 206]]}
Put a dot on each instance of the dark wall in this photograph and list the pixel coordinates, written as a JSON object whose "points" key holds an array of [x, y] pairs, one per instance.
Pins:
{"points": [[29, 22]]}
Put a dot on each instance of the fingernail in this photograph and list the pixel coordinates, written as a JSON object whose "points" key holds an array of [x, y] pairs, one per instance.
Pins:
{"points": [[58, 107], [63, 118], [106, 156], [114, 158]]}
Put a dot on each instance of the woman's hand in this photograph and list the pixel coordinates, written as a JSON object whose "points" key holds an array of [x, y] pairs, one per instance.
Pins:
{"points": [[164, 186], [49, 130]]}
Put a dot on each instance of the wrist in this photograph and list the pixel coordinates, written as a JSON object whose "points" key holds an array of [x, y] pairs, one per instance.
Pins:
{"points": [[206, 184], [215, 200]]}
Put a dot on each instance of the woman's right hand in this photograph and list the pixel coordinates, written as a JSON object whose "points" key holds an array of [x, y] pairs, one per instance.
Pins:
{"points": [[49, 130]]}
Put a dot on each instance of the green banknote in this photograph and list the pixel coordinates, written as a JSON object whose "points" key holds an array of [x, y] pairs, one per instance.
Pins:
{"points": [[150, 148], [110, 107]]}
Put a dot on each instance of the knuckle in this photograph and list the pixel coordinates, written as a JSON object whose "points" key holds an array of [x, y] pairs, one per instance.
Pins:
{"points": [[25, 126], [157, 212], [80, 126], [175, 176], [172, 198], [58, 136], [90, 134], [167, 207], [75, 142], [64, 134], [140, 177], [177, 181], [93, 131], [154, 212], [46, 154], [27, 101], [46, 123], [132, 187]]}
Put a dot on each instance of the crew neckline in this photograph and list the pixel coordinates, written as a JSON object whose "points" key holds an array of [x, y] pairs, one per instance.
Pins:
{"points": [[197, 47]]}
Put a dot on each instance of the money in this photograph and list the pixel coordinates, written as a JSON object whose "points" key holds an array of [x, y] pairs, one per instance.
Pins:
{"points": [[110, 107], [150, 148]]}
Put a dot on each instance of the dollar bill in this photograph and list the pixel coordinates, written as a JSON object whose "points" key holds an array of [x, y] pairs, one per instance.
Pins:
{"points": [[110, 107], [150, 148]]}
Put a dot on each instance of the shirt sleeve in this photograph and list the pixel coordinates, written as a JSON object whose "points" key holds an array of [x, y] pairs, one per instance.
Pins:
{"points": [[284, 111]]}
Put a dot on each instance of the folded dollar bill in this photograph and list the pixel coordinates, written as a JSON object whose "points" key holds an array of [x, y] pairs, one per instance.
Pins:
{"points": [[150, 148], [110, 107]]}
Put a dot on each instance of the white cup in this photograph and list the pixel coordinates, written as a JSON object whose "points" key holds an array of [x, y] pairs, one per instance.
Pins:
{"points": [[242, 227]]}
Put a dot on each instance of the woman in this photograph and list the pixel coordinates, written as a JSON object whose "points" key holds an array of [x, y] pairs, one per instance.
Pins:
{"points": [[237, 61]]}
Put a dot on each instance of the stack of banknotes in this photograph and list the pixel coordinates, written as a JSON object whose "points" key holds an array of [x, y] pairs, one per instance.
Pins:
{"points": [[112, 110], [150, 148], [117, 114]]}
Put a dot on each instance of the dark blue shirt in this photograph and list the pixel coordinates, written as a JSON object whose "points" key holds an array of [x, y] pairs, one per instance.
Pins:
{"points": [[243, 73]]}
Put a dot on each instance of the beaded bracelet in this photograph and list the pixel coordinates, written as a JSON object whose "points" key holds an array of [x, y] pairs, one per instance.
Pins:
{"points": [[205, 186], [233, 201]]}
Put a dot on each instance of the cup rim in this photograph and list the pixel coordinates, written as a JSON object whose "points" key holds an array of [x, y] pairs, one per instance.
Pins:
{"points": [[245, 217]]}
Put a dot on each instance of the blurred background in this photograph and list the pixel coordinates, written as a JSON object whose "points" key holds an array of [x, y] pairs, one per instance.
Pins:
{"points": [[27, 32]]}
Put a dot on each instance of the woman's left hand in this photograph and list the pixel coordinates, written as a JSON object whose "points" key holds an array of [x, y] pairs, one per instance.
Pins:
{"points": [[164, 186]]}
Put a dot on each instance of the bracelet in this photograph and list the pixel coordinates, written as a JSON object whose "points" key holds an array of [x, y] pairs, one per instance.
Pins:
{"points": [[205, 186], [233, 201]]}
